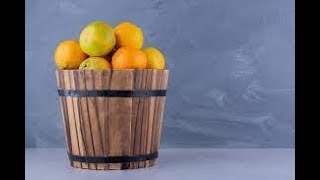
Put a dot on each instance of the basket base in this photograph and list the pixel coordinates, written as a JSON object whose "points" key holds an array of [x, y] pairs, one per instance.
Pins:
{"points": [[114, 166]]}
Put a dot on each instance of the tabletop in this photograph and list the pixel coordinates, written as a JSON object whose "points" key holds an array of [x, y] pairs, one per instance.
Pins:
{"points": [[186, 164]]}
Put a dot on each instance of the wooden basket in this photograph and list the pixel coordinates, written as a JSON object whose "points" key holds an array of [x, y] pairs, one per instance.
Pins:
{"points": [[112, 118]]}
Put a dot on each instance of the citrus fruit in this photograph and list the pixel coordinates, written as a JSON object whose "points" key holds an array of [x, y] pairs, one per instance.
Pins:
{"points": [[155, 58], [129, 58], [97, 38], [68, 55], [128, 35], [95, 63]]}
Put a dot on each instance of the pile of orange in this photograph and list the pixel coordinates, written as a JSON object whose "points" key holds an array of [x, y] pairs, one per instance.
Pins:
{"points": [[102, 47]]}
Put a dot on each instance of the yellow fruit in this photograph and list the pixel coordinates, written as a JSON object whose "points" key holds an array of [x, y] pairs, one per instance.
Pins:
{"points": [[97, 39], [68, 55], [128, 35], [155, 58], [95, 63], [129, 58]]}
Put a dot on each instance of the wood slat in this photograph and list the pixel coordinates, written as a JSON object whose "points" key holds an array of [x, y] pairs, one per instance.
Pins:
{"points": [[146, 84], [136, 117], [92, 79], [73, 81], [72, 120], [105, 82], [155, 116], [151, 121], [119, 121], [161, 105], [86, 119], [63, 109], [143, 118], [98, 83], [74, 75]]}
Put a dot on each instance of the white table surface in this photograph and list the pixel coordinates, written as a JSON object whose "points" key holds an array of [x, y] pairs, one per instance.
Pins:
{"points": [[184, 164]]}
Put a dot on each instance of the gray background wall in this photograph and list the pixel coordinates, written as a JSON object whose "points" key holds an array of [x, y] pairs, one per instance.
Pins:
{"points": [[232, 67]]}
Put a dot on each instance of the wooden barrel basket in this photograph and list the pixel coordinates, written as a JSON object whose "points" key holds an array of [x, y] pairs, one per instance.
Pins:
{"points": [[112, 118]]}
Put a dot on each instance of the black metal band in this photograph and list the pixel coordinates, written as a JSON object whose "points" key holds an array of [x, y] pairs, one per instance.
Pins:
{"points": [[111, 93], [113, 159]]}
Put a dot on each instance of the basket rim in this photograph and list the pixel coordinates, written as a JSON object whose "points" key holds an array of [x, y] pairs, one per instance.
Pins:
{"points": [[96, 70]]}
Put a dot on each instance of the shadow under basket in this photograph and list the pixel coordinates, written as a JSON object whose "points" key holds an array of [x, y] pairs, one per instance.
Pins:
{"points": [[112, 118]]}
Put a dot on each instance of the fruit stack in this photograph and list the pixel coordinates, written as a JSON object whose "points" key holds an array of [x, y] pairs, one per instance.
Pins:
{"points": [[102, 47]]}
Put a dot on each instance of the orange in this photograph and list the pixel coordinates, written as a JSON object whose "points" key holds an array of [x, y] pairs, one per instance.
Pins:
{"points": [[155, 58], [129, 58], [68, 55], [95, 63], [128, 35], [97, 39]]}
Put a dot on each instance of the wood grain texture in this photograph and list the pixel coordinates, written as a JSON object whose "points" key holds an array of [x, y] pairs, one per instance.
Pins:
{"points": [[120, 117], [93, 111], [71, 116], [85, 119], [63, 107], [137, 117], [112, 126]]}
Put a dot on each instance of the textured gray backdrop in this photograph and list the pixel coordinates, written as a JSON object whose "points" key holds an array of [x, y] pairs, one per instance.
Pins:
{"points": [[232, 67]]}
